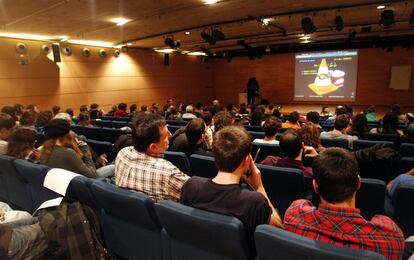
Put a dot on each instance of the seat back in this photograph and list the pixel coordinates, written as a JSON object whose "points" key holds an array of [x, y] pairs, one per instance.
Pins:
{"points": [[360, 144], [35, 175], [254, 128], [102, 147], [80, 190], [175, 122], [276, 243], [335, 142], [406, 164], [111, 134], [403, 209], [203, 166], [257, 135], [265, 150], [197, 234], [103, 123], [173, 128], [381, 137], [130, 225], [18, 191], [94, 133], [407, 150], [370, 198], [180, 160], [119, 124], [283, 185]]}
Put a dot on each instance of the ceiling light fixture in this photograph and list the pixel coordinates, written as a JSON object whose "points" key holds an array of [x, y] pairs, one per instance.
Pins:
{"points": [[307, 25], [119, 21], [187, 33], [210, 2], [380, 7], [196, 53], [307, 37], [305, 41], [266, 21], [91, 43], [25, 36], [164, 50]]}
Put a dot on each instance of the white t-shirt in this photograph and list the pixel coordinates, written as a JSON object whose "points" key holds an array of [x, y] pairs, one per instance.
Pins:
{"points": [[262, 141]]}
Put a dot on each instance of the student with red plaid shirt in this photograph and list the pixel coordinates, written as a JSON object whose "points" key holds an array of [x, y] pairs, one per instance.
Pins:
{"points": [[337, 221]]}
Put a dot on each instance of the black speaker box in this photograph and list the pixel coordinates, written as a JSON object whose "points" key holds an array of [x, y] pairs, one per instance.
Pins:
{"points": [[56, 52]]}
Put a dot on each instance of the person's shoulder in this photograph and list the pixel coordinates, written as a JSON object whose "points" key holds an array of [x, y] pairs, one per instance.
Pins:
{"points": [[297, 206], [196, 181], [386, 224]]}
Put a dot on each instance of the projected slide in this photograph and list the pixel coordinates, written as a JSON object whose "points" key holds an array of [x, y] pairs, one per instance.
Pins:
{"points": [[326, 76]]}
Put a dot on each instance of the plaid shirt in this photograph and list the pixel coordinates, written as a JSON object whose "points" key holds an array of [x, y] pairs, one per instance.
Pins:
{"points": [[156, 177], [345, 227]]}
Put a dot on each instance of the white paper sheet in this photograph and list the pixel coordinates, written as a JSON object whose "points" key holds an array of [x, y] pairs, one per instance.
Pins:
{"points": [[58, 180], [49, 203]]}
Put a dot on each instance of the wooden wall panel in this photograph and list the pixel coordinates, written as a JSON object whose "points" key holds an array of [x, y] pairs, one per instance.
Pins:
{"points": [[136, 77], [275, 74]]}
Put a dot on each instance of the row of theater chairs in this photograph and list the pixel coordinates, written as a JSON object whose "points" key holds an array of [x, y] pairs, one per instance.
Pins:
{"points": [[284, 185], [98, 133], [136, 228], [110, 124]]}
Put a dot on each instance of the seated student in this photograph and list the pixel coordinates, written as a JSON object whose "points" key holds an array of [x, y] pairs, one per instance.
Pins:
{"points": [[95, 111], [223, 194], [360, 125], [293, 121], [222, 119], [341, 129], [22, 144], [340, 110], [84, 119], [62, 150], [310, 135], [7, 127], [337, 221], [389, 125], [271, 127], [403, 179], [191, 140], [121, 111], [141, 167], [189, 113], [314, 118], [292, 146], [408, 136]]}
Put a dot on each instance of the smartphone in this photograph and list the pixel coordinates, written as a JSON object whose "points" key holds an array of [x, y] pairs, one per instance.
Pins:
{"points": [[249, 173]]}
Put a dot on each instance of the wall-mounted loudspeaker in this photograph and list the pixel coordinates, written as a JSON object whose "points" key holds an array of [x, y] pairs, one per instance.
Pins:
{"points": [[117, 53], [67, 51], [86, 52], [166, 59], [56, 52], [21, 48], [102, 53], [45, 49]]}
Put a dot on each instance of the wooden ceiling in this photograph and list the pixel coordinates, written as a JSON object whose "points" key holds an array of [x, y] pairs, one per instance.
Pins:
{"points": [[151, 21]]}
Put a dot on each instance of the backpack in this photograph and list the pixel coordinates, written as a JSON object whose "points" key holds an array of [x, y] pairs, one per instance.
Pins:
{"points": [[72, 231]]}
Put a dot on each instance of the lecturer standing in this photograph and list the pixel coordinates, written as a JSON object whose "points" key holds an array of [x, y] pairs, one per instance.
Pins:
{"points": [[252, 90]]}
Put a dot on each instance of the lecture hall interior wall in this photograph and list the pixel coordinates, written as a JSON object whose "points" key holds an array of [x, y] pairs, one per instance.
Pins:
{"points": [[139, 77]]}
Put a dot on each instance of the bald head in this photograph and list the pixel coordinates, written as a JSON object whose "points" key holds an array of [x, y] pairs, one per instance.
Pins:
{"points": [[291, 143]]}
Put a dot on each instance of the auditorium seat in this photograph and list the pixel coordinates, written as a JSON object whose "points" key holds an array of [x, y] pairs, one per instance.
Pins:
{"points": [[173, 128], [203, 166], [102, 123], [338, 142], [370, 199], [102, 147], [35, 175], [403, 209], [360, 144], [119, 124], [407, 150], [94, 133], [276, 243], [130, 226], [191, 233], [80, 190], [265, 150], [111, 134], [381, 137], [180, 160], [257, 135], [17, 186], [406, 164], [253, 128], [175, 122], [283, 185], [4, 194]]}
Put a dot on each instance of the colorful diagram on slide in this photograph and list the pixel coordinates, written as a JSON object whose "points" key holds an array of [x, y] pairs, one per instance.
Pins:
{"points": [[326, 80]]}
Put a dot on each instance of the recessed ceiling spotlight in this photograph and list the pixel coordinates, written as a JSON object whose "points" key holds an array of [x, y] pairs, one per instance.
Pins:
{"points": [[129, 43], [120, 21], [305, 41], [380, 7], [187, 33], [210, 2]]}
